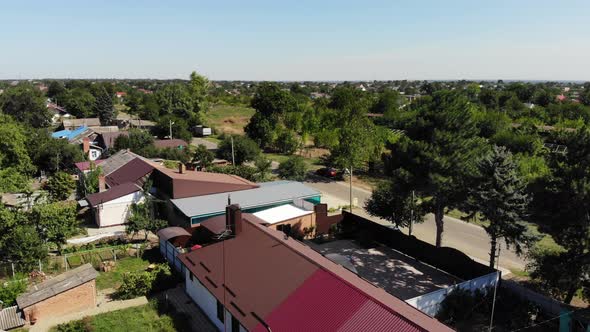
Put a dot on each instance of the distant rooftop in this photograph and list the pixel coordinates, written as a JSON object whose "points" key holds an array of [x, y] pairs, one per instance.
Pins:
{"points": [[281, 213]]}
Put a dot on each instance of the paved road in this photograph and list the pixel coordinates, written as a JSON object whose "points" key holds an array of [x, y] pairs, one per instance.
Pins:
{"points": [[469, 238]]}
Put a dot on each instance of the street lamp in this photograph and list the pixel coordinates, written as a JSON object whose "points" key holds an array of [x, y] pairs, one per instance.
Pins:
{"points": [[171, 123]]}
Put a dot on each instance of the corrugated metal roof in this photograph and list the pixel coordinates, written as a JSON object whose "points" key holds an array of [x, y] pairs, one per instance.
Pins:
{"points": [[113, 193], [117, 160], [133, 172], [268, 193], [170, 232], [11, 318], [85, 165], [57, 285]]}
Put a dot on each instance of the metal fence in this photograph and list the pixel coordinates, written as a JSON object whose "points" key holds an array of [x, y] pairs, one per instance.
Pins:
{"points": [[55, 264], [430, 303]]}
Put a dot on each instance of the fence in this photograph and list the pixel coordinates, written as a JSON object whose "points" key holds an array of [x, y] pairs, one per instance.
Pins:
{"points": [[430, 303], [548, 305], [59, 264], [447, 259]]}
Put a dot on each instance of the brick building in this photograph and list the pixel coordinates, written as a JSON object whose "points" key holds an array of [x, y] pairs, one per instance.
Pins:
{"points": [[69, 292]]}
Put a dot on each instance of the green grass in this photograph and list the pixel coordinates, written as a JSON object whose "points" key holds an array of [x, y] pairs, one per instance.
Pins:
{"points": [[520, 273], [229, 118], [113, 278], [312, 163], [143, 318]]}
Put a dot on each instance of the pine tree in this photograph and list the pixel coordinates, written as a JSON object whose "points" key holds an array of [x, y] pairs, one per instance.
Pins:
{"points": [[501, 199], [104, 107]]}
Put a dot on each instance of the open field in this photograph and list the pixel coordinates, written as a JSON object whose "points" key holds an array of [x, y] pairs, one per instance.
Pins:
{"points": [[228, 118]]}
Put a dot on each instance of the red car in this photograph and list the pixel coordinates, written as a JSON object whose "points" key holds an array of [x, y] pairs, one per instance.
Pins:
{"points": [[328, 172]]}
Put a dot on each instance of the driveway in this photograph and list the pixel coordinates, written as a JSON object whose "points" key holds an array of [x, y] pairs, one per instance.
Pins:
{"points": [[398, 274], [470, 239]]}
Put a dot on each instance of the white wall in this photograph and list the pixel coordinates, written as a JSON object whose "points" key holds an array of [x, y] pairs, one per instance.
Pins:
{"points": [[204, 299], [117, 211]]}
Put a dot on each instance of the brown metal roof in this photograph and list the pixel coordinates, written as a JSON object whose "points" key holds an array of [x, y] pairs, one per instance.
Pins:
{"points": [[172, 232], [117, 160], [57, 285], [134, 171], [112, 193], [262, 272], [215, 225], [194, 183], [169, 143]]}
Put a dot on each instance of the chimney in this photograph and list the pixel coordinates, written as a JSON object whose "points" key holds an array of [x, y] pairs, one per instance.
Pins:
{"points": [[86, 145], [321, 210], [101, 183], [233, 218], [181, 168]]}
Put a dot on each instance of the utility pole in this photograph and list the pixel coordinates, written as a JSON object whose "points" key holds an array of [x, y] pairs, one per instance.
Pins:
{"points": [[233, 158], [412, 215], [495, 288], [171, 123], [350, 193]]}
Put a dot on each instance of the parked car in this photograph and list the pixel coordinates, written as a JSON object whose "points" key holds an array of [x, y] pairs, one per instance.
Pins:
{"points": [[328, 172]]}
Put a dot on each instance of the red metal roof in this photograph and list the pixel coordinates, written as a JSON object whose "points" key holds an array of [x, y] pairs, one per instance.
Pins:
{"points": [[85, 165], [112, 194]]}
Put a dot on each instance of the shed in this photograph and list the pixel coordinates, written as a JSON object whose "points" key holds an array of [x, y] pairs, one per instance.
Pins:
{"points": [[69, 292]]}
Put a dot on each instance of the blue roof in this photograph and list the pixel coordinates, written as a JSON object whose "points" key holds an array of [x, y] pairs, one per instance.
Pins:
{"points": [[69, 134]]}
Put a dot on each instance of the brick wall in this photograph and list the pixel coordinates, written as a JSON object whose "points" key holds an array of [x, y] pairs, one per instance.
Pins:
{"points": [[76, 299]]}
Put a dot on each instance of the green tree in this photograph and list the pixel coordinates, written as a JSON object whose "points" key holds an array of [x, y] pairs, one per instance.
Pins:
{"points": [[26, 104], [136, 140], [180, 128], [287, 141], [24, 246], [55, 222], [440, 151], [395, 202], [263, 168], [142, 219], [293, 168], [60, 186], [55, 89], [561, 206], [79, 102], [90, 180], [199, 87], [51, 155], [10, 290], [500, 196], [176, 99], [14, 160], [244, 149], [388, 103], [104, 107], [203, 157]]}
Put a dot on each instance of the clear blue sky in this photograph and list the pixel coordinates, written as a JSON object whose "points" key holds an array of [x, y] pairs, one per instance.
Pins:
{"points": [[297, 40]]}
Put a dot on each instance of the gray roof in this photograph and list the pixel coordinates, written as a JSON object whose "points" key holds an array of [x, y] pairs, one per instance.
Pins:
{"points": [[11, 318], [57, 285], [268, 193], [117, 160]]}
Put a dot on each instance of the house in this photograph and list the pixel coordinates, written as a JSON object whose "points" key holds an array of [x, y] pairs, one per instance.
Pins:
{"points": [[71, 124], [84, 136], [69, 292], [84, 166], [59, 113], [197, 208], [255, 278], [174, 143], [107, 140], [121, 94], [112, 207]]}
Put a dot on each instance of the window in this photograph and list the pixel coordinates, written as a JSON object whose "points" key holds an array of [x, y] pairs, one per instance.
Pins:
{"points": [[235, 324], [220, 312]]}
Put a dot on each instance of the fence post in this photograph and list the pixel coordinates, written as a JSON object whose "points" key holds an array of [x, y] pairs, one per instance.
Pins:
{"points": [[66, 261], [40, 266], [12, 264], [115, 254]]}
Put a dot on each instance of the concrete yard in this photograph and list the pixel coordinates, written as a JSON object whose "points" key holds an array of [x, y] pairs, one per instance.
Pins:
{"points": [[399, 275]]}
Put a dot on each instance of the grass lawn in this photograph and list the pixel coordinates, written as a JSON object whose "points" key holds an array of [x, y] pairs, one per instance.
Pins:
{"points": [[143, 318], [113, 279], [229, 118]]}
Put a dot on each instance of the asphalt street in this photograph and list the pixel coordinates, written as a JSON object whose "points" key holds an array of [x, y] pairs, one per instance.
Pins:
{"points": [[469, 238]]}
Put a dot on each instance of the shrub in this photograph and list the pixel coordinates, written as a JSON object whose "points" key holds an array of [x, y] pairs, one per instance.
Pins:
{"points": [[142, 283], [12, 289], [245, 149], [293, 169]]}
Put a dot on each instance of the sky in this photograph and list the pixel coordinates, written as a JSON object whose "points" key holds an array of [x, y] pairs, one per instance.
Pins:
{"points": [[296, 40]]}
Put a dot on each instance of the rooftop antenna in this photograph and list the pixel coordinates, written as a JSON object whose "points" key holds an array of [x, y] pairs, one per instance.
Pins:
{"points": [[228, 199]]}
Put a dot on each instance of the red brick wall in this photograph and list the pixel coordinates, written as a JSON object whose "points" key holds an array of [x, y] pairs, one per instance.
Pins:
{"points": [[76, 299]]}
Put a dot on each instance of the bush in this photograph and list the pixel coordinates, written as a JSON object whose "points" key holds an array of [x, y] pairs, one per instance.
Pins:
{"points": [[293, 169], [12, 289], [142, 283], [246, 172]]}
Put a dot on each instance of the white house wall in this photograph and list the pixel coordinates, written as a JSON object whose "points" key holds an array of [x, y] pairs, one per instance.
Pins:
{"points": [[116, 212], [203, 298]]}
